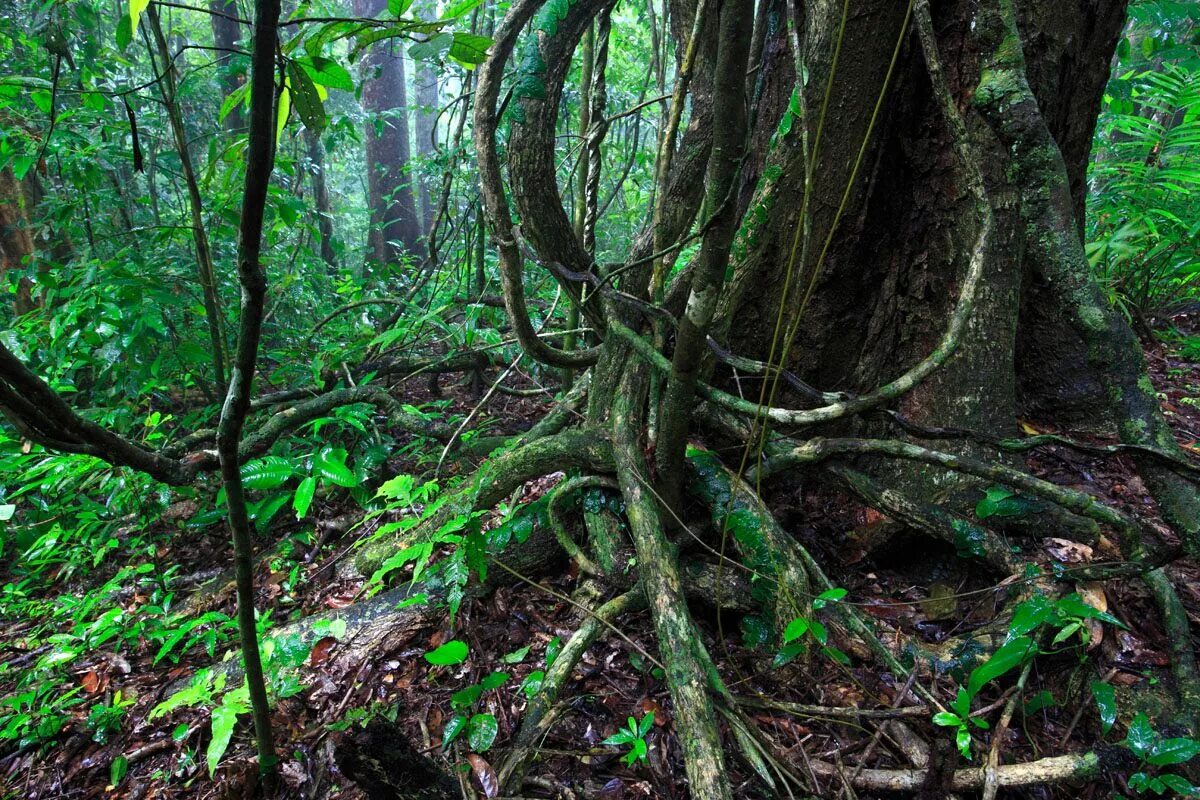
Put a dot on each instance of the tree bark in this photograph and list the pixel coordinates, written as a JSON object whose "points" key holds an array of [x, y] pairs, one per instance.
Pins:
{"points": [[425, 115], [395, 227], [227, 31], [322, 209]]}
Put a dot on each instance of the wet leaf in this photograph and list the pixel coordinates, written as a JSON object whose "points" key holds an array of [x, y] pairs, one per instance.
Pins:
{"points": [[484, 774]]}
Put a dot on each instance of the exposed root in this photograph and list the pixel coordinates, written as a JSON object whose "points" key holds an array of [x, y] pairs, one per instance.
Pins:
{"points": [[779, 579], [537, 717], [562, 494], [574, 448], [704, 759], [1055, 769], [967, 537]]}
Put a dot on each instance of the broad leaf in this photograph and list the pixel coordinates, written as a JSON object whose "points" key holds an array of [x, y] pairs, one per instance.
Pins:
{"points": [[481, 732], [1106, 701], [330, 464], [303, 498], [1007, 657], [451, 653]]}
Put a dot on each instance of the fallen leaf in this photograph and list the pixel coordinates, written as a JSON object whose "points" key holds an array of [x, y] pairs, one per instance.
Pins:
{"points": [[90, 682], [1092, 593], [320, 650], [484, 773], [647, 706], [1066, 551]]}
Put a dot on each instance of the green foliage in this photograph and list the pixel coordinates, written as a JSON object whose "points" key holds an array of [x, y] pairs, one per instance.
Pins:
{"points": [[1155, 751], [801, 631], [480, 727], [451, 653], [1066, 617], [1143, 220], [634, 736]]}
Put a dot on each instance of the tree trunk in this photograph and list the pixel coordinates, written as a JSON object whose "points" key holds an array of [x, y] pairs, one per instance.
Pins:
{"points": [[395, 228], [227, 31], [321, 207], [428, 90]]}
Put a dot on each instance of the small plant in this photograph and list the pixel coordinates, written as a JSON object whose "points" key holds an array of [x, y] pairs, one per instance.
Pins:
{"points": [[801, 630], [480, 726], [633, 735], [959, 717], [105, 719], [1068, 615]]}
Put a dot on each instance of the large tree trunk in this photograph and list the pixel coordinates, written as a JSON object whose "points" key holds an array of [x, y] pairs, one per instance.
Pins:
{"points": [[395, 226], [891, 227]]}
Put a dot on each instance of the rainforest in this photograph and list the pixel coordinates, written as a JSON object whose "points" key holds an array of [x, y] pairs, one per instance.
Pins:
{"points": [[712, 399]]}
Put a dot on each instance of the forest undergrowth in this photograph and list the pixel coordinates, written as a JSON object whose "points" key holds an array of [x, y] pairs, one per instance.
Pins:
{"points": [[105, 711]]}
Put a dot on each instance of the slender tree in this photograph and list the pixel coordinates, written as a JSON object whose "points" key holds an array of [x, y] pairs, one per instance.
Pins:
{"points": [[428, 91], [395, 226]]}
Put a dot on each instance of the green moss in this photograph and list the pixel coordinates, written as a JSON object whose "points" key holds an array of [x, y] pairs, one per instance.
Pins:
{"points": [[1092, 318]]}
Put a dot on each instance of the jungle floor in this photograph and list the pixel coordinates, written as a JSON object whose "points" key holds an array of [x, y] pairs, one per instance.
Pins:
{"points": [[916, 585]]}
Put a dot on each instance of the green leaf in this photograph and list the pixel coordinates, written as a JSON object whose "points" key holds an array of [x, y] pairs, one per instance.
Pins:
{"points": [[451, 653], [117, 770], [330, 464], [1007, 657], [1140, 736], [136, 8], [836, 655], [303, 498], [1030, 614], [533, 683], [1178, 783], [963, 740], [308, 101], [124, 32], [638, 751], [465, 698], [552, 649], [327, 72], [460, 8], [268, 472], [1106, 701], [6, 511], [432, 48], [494, 681], [454, 727], [283, 111], [1000, 501], [397, 7], [828, 596], [947, 719], [481, 732], [42, 99], [224, 720], [516, 656], [1173, 751], [232, 100], [795, 629], [469, 49], [787, 654]]}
